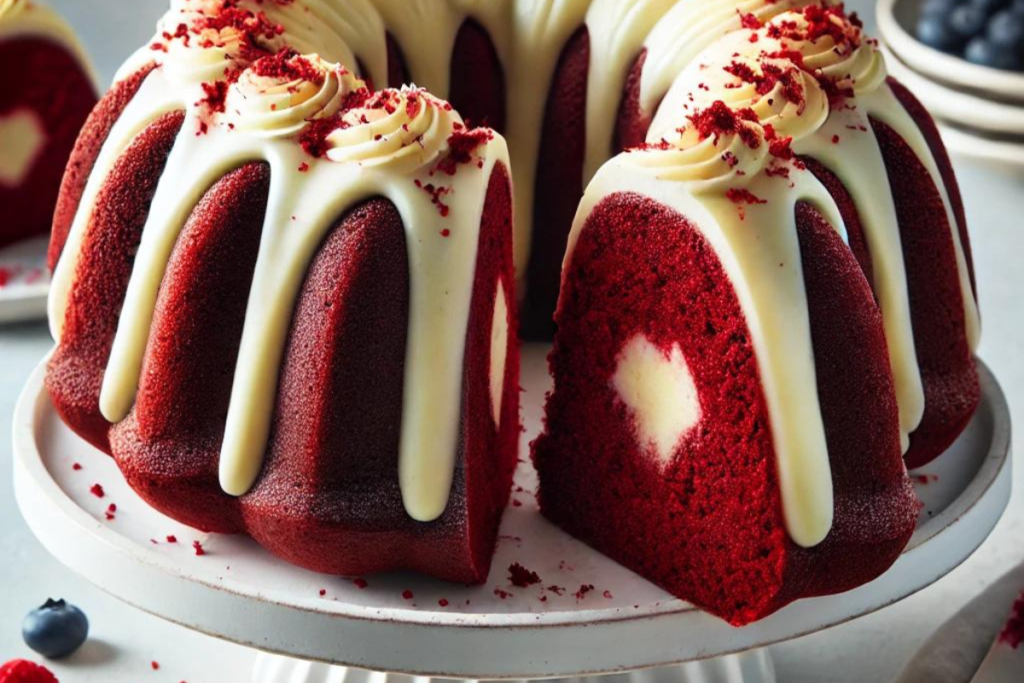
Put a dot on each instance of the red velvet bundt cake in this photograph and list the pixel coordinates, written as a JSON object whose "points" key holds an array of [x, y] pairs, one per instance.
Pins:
{"points": [[48, 91], [763, 306], [724, 377], [285, 304]]}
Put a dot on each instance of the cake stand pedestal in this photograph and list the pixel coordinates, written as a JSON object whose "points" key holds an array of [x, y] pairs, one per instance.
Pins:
{"points": [[587, 617]]}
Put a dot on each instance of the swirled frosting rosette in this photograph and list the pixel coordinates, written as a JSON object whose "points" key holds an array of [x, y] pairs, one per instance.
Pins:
{"points": [[399, 129], [719, 149], [11, 8], [279, 96], [204, 39], [782, 94], [831, 44]]}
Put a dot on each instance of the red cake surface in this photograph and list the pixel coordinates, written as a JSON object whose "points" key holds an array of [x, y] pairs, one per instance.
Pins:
{"points": [[43, 80], [328, 498], [948, 372], [559, 185], [709, 527]]}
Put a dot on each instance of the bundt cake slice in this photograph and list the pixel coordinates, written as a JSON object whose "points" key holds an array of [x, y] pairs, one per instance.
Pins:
{"points": [[879, 154], [723, 360], [49, 90], [285, 304]]}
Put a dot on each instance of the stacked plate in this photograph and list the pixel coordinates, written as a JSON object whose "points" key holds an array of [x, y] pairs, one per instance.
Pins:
{"points": [[979, 109]]}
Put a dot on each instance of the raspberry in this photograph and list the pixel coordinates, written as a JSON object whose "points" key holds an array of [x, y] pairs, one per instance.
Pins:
{"points": [[24, 671]]}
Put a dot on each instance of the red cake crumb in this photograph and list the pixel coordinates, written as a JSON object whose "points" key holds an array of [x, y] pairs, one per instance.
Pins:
{"points": [[172, 539], [97, 491], [720, 119], [582, 592], [748, 20], [608, 595], [288, 65], [323, 592], [461, 145], [442, 602], [303, 167], [503, 594], [446, 233], [925, 478], [517, 503], [76, 467], [155, 665], [407, 594], [835, 139], [557, 590], [436, 193], [521, 577], [360, 583], [1013, 633], [111, 510], [216, 95], [198, 548]]}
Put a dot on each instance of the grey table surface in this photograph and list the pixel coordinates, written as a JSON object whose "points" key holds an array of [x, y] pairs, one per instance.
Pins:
{"points": [[873, 648]]}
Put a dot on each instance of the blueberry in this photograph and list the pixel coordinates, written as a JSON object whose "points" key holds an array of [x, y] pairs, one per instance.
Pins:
{"points": [[967, 21], [933, 31], [989, 7], [985, 53], [56, 629], [942, 7], [1006, 30]]}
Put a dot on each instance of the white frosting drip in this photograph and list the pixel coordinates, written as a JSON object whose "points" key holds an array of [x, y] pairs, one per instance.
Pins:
{"points": [[307, 196], [760, 253], [529, 36]]}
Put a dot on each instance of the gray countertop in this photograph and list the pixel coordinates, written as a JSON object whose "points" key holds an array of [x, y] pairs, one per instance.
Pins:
{"points": [[870, 649]]}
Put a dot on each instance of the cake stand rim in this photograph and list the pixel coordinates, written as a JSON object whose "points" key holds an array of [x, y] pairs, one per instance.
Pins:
{"points": [[32, 470]]}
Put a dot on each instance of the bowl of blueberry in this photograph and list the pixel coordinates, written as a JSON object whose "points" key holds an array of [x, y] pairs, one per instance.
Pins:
{"points": [[974, 44], [965, 61]]}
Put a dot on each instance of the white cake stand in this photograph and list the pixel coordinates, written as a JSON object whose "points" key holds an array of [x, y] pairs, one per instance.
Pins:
{"points": [[25, 281], [419, 627]]}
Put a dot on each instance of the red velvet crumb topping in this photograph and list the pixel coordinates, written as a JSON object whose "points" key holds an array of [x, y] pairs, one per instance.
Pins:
{"points": [[97, 491], [720, 119], [1013, 633], [521, 577]]}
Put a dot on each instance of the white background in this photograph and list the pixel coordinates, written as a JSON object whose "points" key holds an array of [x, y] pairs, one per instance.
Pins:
{"points": [[871, 649]]}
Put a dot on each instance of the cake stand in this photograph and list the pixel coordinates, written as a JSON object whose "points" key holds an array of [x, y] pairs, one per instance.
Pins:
{"points": [[588, 616], [24, 281]]}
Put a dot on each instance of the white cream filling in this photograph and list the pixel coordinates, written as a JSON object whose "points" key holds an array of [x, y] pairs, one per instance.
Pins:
{"points": [[499, 352], [657, 388], [22, 138]]}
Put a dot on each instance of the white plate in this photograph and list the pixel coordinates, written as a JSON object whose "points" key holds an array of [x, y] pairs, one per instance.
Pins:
{"points": [[896, 23], [1009, 155], [24, 281], [239, 592], [954, 652]]}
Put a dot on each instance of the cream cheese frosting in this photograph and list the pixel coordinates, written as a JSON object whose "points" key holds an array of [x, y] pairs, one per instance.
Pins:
{"points": [[750, 55], [331, 143]]}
